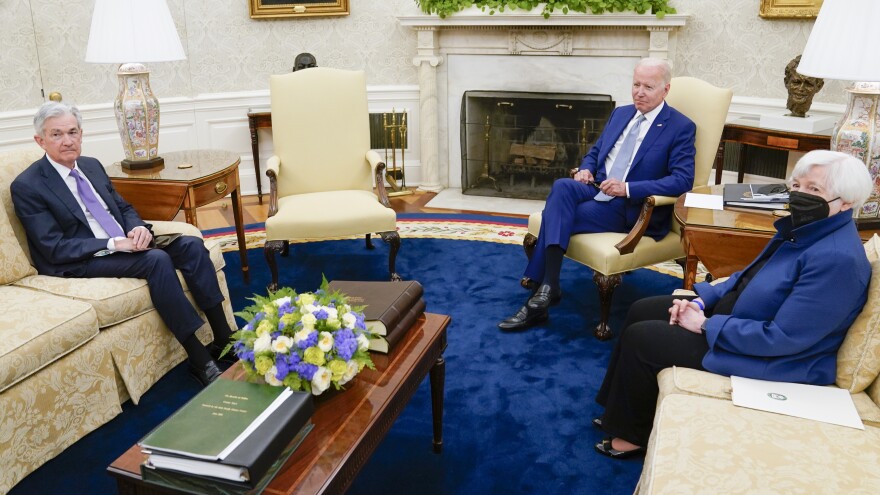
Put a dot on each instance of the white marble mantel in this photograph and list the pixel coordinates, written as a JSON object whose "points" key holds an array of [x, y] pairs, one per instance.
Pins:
{"points": [[521, 50]]}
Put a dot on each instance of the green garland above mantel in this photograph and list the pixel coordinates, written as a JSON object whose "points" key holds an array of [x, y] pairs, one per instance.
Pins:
{"points": [[444, 8]]}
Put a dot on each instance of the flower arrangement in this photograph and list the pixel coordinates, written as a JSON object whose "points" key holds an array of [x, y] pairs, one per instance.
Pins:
{"points": [[305, 341]]}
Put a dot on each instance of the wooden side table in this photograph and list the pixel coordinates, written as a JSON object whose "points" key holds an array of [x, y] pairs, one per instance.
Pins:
{"points": [[725, 241], [747, 132], [188, 180], [258, 120]]}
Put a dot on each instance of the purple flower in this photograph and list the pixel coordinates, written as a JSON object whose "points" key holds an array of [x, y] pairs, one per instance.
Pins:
{"points": [[346, 343], [285, 308], [309, 341], [321, 314], [282, 368], [305, 370]]}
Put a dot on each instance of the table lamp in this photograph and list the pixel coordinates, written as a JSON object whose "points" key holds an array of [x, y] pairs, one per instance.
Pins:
{"points": [[130, 32], [841, 46]]}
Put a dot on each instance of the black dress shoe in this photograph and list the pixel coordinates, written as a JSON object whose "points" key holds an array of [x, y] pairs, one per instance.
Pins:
{"points": [[207, 374], [227, 359], [544, 297], [524, 318], [604, 447]]}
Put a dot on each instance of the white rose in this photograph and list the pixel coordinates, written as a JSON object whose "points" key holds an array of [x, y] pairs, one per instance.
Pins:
{"points": [[309, 308], [363, 342], [343, 308], [332, 313], [350, 372], [263, 343], [348, 320], [306, 299], [270, 377], [281, 300], [301, 335], [282, 344], [308, 320], [325, 341], [321, 380]]}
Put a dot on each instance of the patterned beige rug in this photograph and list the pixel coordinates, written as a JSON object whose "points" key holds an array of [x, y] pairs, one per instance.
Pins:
{"points": [[466, 230]]}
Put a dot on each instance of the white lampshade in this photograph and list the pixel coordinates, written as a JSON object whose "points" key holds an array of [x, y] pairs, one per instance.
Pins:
{"points": [[133, 31], [842, 43]]}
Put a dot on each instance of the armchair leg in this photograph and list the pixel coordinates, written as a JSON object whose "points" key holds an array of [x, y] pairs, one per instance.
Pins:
{"points": [[529, 242], [392, 238], [269, 250], [369, 241], [285, 249], [606, 284]]}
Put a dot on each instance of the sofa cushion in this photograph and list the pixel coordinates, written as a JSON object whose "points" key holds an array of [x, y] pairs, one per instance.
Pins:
{"points": [[687, 381], [14, 262], [858, 359], [704, 445], [37, 329], [115, 299]]}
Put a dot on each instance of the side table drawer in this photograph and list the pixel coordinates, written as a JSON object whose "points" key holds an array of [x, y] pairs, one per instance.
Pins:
{"points": [[214, 190]]}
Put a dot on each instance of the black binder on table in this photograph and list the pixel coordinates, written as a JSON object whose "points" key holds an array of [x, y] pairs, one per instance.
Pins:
{"points": [[760, 196]]}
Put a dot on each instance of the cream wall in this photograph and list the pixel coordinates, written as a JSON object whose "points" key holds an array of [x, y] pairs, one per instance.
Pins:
{"points": [[230, 57]]}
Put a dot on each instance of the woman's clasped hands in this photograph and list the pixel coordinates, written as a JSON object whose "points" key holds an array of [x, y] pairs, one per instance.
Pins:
{"points": [[687, 314]]}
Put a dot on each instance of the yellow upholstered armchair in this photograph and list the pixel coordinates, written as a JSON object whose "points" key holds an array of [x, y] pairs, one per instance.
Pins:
{"points": [[321, 176], [612, 254]]}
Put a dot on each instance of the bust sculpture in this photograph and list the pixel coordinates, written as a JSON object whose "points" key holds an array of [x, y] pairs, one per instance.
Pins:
{"points": [[304, 61], [801, 88]]}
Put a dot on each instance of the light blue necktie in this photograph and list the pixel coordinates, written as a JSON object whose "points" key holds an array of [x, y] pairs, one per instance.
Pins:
{"points": [[624, 156], [105, 220]]}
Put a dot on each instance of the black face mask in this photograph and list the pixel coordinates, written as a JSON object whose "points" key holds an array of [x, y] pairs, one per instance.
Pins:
{"points": [[807, 208]]}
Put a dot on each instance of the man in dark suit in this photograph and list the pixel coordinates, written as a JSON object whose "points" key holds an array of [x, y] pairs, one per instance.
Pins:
{"points": [[78, 226], [645, 149]]}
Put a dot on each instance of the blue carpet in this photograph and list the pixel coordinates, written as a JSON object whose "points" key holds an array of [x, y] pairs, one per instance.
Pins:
{"points": [[518, 406]]}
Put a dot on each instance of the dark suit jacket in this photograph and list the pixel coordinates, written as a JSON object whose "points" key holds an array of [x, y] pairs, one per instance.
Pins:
{"points": [[663, 165], [59, 236]]}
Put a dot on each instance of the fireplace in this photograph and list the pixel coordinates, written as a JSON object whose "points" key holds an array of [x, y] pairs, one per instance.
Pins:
{"points": [[519, 51], [514, 144]]}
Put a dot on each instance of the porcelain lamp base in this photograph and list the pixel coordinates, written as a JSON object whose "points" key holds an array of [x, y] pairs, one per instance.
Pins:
{"points": [[137, 115], [857, 134]]}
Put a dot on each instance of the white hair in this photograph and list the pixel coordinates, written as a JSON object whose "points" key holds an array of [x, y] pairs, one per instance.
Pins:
{"points": [[662, 64], [846, 176], [52, 109]]}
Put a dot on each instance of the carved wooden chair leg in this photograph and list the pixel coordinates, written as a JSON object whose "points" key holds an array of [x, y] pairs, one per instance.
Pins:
{"points": [[392, 238], [269, 250], [606, 285], [369, 241], [529, 242], [285, 249]]}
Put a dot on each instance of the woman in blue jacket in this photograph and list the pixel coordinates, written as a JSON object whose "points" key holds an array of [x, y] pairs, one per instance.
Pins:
{"points": [[782, 318]]}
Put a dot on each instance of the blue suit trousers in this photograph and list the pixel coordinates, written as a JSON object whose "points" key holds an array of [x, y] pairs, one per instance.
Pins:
{"points": [[570, 209]]}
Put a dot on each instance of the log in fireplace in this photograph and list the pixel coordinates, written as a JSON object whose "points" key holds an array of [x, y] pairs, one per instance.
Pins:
{"points": [[515, 144]]}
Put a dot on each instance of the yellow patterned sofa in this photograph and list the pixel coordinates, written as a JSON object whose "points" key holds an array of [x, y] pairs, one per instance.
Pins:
{"points": [[71, 350], [703, 444]]}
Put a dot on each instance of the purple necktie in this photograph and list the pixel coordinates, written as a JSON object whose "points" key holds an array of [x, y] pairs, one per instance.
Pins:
{"points": [[105, 220]]}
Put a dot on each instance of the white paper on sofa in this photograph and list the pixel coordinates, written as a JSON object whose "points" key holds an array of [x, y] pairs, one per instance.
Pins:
{"points": [[826, 404]]}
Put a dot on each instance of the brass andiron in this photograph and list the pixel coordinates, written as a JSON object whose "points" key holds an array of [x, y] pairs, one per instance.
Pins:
{"points": [[396, 130], [484, 175]]}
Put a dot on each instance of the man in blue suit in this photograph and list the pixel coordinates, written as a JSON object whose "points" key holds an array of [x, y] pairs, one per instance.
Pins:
{"points": [[78, 226], [646, 149]]}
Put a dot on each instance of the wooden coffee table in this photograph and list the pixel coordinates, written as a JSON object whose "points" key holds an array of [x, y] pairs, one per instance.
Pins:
{"points": [[348, 425]]}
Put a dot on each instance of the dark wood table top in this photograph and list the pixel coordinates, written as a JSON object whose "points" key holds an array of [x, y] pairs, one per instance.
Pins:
{"points": [[348, 424]]}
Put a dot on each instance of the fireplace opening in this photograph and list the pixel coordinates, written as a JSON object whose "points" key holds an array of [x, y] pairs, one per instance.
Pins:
{"points": [[514, 144]]}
